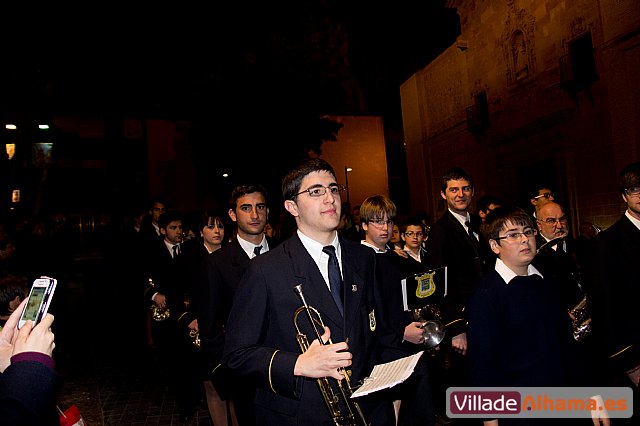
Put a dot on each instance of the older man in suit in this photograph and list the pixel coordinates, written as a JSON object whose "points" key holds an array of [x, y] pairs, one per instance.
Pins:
{"points": [[219, 277], [261, 339]]}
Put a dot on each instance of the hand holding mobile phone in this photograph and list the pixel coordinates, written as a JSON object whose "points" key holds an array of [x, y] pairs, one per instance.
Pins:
{"points": [[38, 301]]}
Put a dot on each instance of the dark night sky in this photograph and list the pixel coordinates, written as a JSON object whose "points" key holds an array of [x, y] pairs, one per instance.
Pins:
{"points": [[191, 57], [252, 71]]}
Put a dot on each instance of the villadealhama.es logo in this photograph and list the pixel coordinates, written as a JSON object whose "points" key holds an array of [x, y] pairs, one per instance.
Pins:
{"points": [[549, 402]]}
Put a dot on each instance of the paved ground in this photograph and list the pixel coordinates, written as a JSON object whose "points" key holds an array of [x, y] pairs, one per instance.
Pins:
{"points": [[104, 365]]}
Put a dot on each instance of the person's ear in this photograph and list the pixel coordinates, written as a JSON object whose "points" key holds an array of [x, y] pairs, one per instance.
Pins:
{"points": [[494, 246], [291, 207], [624, 198], [232, 215], [442, 194]]}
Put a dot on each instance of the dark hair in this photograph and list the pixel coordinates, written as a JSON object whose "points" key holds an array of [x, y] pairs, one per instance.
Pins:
{"points": [[245, 189], [158, 199], [483, 202], [10, 287], [375, 206], [414, 220], [210, 217], [167, 217], [455, 173], [292, 181], [499, 218], [630, 176]]}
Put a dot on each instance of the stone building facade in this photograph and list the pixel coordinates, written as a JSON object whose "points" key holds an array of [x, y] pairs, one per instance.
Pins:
{"points": [[532, 91]]}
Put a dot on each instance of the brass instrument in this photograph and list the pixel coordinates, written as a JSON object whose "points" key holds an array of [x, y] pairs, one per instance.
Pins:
{"points": [[433, 330], [344, 411], [158, 313], [581, 320], [195, 338]]}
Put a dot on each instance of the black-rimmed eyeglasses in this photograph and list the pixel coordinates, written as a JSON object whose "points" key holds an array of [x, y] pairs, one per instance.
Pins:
{"points": [[632, 191], [319, 190], [412, 234], [517, 236], [546, 195], [552, 220]]}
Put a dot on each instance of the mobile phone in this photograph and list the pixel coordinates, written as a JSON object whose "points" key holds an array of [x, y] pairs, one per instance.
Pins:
{"points": [[39, 299]]}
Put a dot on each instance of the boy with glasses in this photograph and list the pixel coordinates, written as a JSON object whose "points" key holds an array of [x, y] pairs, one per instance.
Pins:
{"points": [[413, 234], [518, 332]]}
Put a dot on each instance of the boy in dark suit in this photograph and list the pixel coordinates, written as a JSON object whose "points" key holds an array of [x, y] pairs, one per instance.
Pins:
{"points": [[261, 339]]}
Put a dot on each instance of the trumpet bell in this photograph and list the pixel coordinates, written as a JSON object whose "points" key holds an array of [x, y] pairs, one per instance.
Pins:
{"points": [[433, 333]]}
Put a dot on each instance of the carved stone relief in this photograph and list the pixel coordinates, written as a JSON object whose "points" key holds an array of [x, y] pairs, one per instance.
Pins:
{"points": [[518, 45]]}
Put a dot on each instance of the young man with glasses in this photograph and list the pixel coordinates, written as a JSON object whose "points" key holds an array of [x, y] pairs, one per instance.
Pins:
{"points": [[541, 196], [518, 333], [616, 282], [261, 343]]}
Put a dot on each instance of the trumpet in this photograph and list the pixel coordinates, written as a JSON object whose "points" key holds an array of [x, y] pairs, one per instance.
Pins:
{"points": [[581, 320], [158, 313], [433, 330], [343, 410], [194, 335]]}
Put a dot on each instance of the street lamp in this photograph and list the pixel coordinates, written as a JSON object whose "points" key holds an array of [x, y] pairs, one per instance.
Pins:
{"points": [[346, 180]]}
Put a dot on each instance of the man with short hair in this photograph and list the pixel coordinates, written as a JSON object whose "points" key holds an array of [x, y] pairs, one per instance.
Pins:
{"points": [[486, 204], [337, 277], [171, 275], [541, 196], [455, 242], [220, 275], [617, 287]]}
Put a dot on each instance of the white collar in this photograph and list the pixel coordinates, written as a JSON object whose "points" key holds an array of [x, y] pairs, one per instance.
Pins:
{"points": [[376, 249], [248, 247], [508, 275], [633, 220]]}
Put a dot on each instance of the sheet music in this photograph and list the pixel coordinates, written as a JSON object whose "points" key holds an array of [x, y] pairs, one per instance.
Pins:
{"points": [[388, 375]]}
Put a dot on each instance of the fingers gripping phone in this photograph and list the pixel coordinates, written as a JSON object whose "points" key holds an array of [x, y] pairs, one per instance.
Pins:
{"points": [[39, 299]]}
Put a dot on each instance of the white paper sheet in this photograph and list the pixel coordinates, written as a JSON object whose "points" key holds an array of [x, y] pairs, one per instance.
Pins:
{"points": [[388, 375]]}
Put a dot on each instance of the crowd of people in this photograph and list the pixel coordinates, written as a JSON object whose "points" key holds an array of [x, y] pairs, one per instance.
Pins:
{"points": [[218, 297]]}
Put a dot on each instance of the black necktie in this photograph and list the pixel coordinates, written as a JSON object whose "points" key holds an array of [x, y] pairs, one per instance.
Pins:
{"points": [[470, 231], [257, 250], [176, 250], [335, 279]]}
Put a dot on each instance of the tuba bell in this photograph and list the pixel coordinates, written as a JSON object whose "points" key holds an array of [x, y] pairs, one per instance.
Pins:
{"points": [[343, 410]]}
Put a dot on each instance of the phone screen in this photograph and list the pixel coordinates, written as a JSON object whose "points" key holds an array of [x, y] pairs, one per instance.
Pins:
{"points": [[33, 305]]}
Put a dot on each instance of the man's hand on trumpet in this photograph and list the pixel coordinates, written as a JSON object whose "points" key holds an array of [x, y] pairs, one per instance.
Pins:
{"points": [[324, 360]]}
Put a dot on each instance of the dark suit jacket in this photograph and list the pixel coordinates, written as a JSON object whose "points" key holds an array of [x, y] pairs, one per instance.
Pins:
{"points": [[561, 268], [261, 337], [450, 245], [220, 273], [616, 292], [174, 278]]}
